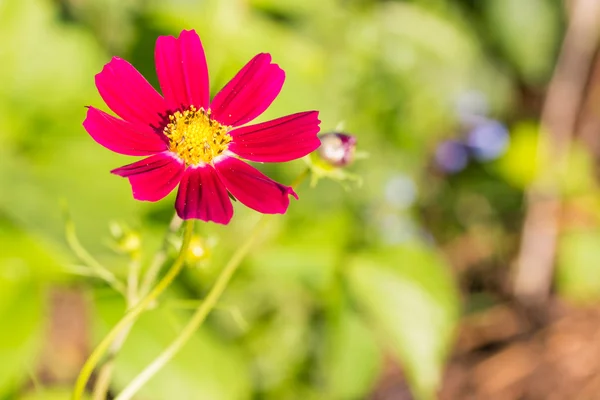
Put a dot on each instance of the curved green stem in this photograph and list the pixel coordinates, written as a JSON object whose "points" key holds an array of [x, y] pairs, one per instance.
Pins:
{"points": [[104, 374], [203, 310], [96, 268], [160, 257], [133, 314], [301, 177]]}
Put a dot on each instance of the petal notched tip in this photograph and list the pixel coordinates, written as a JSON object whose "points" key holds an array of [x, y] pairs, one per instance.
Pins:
{"points": [[189, 33], [290, 191]]}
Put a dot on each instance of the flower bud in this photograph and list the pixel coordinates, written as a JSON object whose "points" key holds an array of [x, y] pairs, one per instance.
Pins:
{"points": [[198, 251], [125, 239], [337, 149]]}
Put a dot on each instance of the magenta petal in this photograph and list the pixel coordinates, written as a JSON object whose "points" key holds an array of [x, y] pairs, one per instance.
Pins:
{"points": [[282, 139], [121, 136], [252, 188], [129, 94], [201, 195], [182, 71], [249, 93], [154, 177]]}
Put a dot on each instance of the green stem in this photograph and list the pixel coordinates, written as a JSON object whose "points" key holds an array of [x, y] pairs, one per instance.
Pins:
{"points": [[160, 257], [105, 373], [132, 314], [300, 178], [133, 294], [98, 269], [203, 310]]}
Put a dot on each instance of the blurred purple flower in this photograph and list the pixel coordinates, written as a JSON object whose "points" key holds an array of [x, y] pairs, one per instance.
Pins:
{"points": [[488, 141], [451, 156]]}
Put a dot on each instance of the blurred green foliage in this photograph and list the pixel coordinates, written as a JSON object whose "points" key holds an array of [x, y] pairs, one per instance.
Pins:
{"points": [[348, 278], [209, 368], [409, 294]]}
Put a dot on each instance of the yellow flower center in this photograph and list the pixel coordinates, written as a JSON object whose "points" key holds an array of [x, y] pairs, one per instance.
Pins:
{"points": [[195, 137]]}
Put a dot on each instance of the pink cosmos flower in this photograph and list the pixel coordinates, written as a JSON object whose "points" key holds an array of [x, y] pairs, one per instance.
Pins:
{"points": [[197, 143]]}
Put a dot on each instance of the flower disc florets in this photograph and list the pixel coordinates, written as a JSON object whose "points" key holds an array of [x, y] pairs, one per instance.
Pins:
{"points": [[195, 137]]}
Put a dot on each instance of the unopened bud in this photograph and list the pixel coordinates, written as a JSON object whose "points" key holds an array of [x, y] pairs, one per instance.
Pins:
{"points": [[337, 149], [125, 239], [198, 251]]}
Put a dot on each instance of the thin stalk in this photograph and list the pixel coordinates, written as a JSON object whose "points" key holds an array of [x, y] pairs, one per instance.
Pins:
{"points": [[133, 278], [159, 258], [98, 269], [133, 314], [207, 305], [105, 373], [300, 178], [205, 308], [134, 292]]}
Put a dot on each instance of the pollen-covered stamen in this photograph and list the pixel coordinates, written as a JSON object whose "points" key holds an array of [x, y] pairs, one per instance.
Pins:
{"points": [[195, 137]]}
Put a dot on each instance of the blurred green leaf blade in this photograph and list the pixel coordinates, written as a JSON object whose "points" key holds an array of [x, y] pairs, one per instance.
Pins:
{"points": [[410, 295], [352, 356]]}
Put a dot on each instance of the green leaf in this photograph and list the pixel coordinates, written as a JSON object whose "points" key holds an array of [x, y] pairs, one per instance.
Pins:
{"points": [[351, 357], [278, 339], [307, 254], [410, 295]]}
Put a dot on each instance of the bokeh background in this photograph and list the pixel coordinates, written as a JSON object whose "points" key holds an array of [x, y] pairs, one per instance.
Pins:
{"points": [[479, 178]]}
